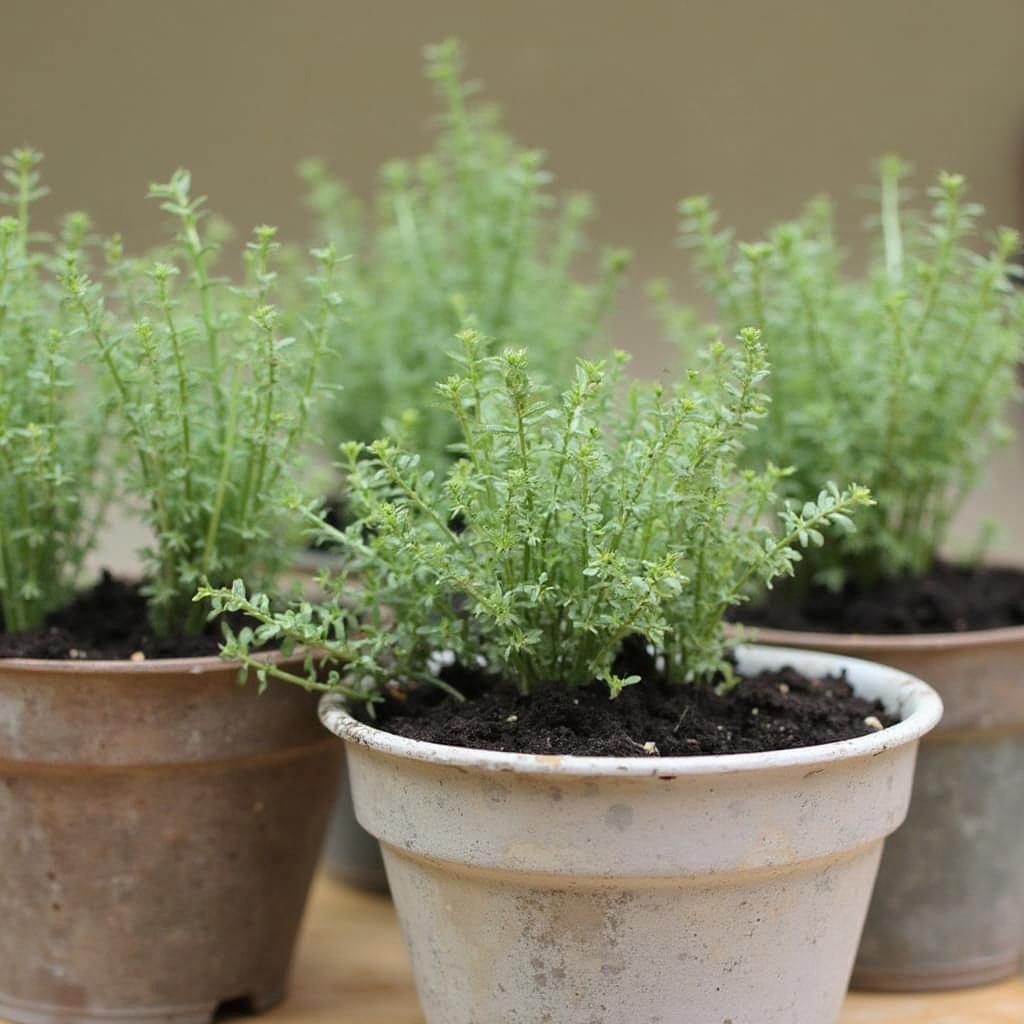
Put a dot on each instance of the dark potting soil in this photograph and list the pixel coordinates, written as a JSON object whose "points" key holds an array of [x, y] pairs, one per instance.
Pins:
{"points": [[106, 621], [776, 710], [337, 513], [947, 599]]}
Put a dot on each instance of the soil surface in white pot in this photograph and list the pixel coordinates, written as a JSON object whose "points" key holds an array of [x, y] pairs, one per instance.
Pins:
{"points": [[107, 622], [777, 709], [947, 599]]}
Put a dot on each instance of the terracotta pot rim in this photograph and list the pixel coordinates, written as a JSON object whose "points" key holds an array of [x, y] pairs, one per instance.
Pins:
{"points": [[200, 665], [885, 641], [923, 709]]}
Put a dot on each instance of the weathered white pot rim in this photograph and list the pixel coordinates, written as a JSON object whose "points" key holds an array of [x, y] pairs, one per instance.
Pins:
{"points": [[920, 704], [887, 642]]}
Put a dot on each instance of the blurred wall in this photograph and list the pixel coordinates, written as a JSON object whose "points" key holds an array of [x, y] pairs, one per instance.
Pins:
{"points": [[761, 103]]}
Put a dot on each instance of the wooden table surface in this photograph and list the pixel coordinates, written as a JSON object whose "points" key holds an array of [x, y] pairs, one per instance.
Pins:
{"points": [[351, 969]]}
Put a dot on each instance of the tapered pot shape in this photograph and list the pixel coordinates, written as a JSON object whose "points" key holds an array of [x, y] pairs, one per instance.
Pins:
{"points": [[574, 890], [352, 855], [159, 827], [948, 909]]}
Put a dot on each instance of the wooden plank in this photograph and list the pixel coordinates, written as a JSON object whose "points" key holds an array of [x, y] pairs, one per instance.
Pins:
{"points": [[351, 969]]}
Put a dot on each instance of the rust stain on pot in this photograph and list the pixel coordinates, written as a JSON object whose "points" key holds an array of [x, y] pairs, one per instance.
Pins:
{"points": [[551, 760]]}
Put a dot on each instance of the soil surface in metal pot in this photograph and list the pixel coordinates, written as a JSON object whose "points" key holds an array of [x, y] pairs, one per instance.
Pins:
{"points": [[948, 599], [106, 621], [771, 711]]}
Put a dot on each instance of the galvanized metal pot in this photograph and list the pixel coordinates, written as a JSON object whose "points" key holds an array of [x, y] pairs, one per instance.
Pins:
{"points": [[571, 890], [948, 909], [159, 828], [352, 855]]}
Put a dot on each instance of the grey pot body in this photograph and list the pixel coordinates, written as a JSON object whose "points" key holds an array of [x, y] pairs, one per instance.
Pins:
{"points": [[352, 855], [948, 907], [159, 828]]}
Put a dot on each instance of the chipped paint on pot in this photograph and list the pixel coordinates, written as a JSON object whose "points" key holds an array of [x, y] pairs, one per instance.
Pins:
{"points": [[948, 909], [159, 827], [570, 890]]}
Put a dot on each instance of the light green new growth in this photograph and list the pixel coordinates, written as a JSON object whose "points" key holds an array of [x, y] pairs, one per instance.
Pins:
{"points": [[213, 399], [583, 520], [468, 231], [52, 495], [898, 377]]}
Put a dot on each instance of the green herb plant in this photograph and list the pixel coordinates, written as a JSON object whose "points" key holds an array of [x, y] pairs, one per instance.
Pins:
{"points": [[468, 231], [53, 484], [214, 398], [898, 376], [584, 519]]}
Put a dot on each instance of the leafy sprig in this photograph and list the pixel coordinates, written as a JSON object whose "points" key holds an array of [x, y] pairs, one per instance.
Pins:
{"points": [[565, 526], [471, 231], [898, 376], [53, 482], [213, 398]]}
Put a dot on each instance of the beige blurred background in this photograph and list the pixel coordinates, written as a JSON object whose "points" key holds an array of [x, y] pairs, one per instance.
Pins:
{"points": [[760, 102]]}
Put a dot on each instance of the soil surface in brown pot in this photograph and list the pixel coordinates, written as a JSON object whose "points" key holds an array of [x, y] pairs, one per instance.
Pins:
{"points": [[948, 599], [106, 621], [776, 710]]}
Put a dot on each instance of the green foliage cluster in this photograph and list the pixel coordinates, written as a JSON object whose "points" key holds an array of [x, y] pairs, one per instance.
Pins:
{"points": [[467, 231], [566, 525], [212, 398], [897, 377], [52, 484]]}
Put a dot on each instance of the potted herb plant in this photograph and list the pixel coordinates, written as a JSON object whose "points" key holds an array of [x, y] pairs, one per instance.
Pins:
{"points": [[159, 825], [899, 376], [470, 231], [707, 838]]}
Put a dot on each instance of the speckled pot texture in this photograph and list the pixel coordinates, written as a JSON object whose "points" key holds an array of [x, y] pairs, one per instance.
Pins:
{"points": [[575, 890], [159, 828], [352, 855], [948, 909]]}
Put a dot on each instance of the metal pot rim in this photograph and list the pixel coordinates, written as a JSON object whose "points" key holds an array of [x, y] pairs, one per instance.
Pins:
{"points": [[884, 642], [201, 665]]}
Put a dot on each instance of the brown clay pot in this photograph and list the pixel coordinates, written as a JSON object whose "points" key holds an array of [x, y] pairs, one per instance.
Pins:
{"points": [[159, 828], [948, 907]]}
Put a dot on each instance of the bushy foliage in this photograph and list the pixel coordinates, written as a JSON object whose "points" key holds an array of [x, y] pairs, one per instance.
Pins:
{"points": [[565, 526], [213, 398], [897, 377], [469, 230], [52, 488]]}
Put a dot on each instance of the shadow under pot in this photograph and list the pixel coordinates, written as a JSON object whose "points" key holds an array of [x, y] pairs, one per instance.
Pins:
{"points": [[577, 889], [159, 828], [948, 909]]}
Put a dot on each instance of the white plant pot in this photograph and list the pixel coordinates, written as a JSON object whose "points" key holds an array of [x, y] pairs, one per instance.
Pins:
{"points": [[597, 890]]}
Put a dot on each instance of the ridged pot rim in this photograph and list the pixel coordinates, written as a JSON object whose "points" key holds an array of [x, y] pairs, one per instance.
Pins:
{"points": [[199, 665], [922, 705], [888, 642]]}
